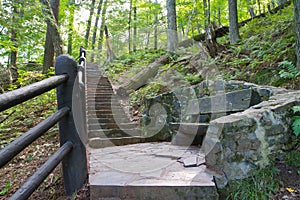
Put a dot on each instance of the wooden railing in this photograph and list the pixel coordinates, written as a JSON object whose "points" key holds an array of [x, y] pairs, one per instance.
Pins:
{"points": [[72, 152]]}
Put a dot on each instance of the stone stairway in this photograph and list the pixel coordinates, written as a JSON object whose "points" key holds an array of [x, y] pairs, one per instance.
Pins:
{"points": [[124, 165], [107, 123]]}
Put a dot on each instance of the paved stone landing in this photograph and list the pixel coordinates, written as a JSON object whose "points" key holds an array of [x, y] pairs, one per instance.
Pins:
{"points": [[150, 171]]}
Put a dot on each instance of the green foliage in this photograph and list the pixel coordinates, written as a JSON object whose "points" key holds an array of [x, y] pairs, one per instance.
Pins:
{"points": [[131, 63], [6, 189], [261, 56], [296, 122], [18, 119], [260, 185], [293, 158], [193, 78], [149, 91], [289, 71]]}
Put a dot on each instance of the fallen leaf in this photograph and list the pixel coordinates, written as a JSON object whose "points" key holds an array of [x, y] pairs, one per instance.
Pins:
{"points": [[291, 190]]}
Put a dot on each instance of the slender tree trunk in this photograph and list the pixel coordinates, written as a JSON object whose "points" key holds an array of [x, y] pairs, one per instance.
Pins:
{"points": [[219, 16], [95, 30], [208, 11], [233, 21], [259, 7], [172, 39], [49, 46], [129, 26], [134, 28], [89, 24], [101, 32], [155, 27], [189, 22], [71, 29], [206, 7], [148, 39], [251, 12], [14, 53], [110, 54], [297, 30]]}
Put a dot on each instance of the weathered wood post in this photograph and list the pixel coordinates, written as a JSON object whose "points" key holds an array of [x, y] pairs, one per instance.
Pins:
{"points": [[75, 163]]}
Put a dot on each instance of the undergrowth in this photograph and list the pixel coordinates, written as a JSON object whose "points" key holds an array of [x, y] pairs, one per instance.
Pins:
{"points": [[262, 184], [129, 64], [266, 42], [18, 119]]}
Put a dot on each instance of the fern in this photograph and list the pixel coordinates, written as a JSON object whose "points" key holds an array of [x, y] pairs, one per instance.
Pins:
{"points": [[296, 109], [289, 71], [296, 122]]}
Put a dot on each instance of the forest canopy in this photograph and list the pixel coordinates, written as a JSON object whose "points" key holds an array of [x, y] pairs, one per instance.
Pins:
{"points": [[131, 25]]}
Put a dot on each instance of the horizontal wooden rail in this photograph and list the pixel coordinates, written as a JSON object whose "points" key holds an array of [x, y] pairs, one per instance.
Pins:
{"points": [[38, 177], [15, 97], [73, 152], [11, 150]]}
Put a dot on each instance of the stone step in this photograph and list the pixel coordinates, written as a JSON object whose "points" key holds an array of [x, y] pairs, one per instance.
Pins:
{"points": [[188, 133], [106, 103], [93, 96], [93, 112], [106, 133], [101, 99], [96, 101], [108, 95], [111, 124], [100, 119], [154, 171], [226, 102], [93, 89], [97, 143], [190, 128], [113, 108], [96, 93], [113, 133], [118, 119]]}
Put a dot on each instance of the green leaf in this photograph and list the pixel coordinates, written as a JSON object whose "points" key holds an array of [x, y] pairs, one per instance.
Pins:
{"points": [[296, 109], [5, 190], [296, 127]]}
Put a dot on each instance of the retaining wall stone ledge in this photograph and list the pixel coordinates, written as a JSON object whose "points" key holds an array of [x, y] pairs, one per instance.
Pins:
{"points": [[237, 144]]}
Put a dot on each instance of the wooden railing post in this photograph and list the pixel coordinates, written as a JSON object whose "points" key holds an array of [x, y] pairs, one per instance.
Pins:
{"points": [[75, 163]]}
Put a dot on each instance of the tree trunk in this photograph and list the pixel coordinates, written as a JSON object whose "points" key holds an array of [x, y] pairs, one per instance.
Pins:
{"points": [[110, 54], [13, 57], [141, 78], [233, 21], [54, 44], [211, 40], [189, 22], [259, 7], [297, 30], [134, 28], [103, 19], [206, 7], [172, 39], [89, 24], [71, 29], [251, 12], [95, 30], [129, 27], [155, 28], [219, 16]]}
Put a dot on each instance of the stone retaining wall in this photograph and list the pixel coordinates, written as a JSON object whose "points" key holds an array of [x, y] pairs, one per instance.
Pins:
{"points": [[173, 106], [236, 144]]}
